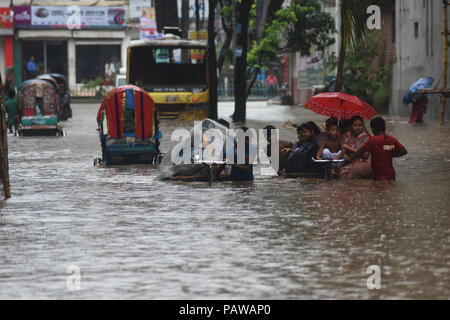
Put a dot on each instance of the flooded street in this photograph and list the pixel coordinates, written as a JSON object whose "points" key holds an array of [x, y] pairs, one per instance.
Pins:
{"points": [[135, 237]]}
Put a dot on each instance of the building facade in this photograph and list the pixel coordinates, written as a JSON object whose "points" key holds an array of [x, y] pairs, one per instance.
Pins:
{"points": [[74, 38], [419, 51]]}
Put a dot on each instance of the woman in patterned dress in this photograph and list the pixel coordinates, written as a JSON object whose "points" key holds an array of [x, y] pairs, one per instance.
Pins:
{"points": [[355, 139]]}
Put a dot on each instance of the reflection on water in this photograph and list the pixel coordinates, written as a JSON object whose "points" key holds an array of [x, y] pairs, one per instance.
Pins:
{"points": [[136, 237]]}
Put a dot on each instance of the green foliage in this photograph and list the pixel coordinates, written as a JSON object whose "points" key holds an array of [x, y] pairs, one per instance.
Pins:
{"points": [[312, 29], [93, 83], [363, 79], [301, 27]]}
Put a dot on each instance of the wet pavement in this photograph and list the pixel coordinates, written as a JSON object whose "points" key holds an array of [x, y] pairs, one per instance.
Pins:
{"points": [[135, 237]]}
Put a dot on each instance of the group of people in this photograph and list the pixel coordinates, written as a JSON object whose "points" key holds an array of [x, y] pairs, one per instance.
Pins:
{"points": [[354, 152]]}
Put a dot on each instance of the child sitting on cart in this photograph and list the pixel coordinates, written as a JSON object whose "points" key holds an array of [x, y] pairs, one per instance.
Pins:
{"points": [[331, 146], [301, 154]]}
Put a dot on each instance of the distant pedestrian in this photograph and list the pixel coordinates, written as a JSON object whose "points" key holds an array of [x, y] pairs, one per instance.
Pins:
{"points": [[63, 104], [9, 80], [272, 85], [417, 110], [110, 71], [32, 68], [11, 108]]}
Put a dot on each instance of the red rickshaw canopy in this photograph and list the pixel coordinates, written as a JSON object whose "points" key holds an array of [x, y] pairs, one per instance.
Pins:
{"points": [[123, 99]]}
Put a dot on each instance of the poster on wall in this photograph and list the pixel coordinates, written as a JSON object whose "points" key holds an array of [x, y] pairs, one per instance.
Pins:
{"points": [[6, 21], [148, 24], [136, 6], [201, 35], [73, 17]]}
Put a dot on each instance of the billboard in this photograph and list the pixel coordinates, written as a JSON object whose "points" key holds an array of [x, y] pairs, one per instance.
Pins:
{"points": [[72, 17], [148, 24]]}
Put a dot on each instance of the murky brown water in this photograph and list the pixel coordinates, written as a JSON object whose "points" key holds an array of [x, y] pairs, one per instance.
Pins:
{"points": [[135, 237]]}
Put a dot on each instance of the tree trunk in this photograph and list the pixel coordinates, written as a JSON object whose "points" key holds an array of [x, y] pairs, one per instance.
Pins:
{"points": [[4, 165], [185, 19], [254, 76], [228, 28], [197, 15], [240, 76], [445, 55], [212, 61], [185, 28], [340, 67], [342, 51]]}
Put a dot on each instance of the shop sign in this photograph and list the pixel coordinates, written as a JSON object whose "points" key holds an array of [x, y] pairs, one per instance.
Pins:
{"points": [[22, 16], [5, 18], [202, 35], [64, 17]]}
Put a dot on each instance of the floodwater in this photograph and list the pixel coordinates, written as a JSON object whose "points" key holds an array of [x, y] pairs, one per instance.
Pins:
{"points": [[134, 237]]}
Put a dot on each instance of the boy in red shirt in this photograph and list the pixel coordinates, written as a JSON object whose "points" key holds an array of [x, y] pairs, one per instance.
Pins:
{"points": [[383, 148]]}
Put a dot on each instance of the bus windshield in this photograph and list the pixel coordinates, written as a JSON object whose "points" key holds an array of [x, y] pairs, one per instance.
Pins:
{"points": [[168, 68]]}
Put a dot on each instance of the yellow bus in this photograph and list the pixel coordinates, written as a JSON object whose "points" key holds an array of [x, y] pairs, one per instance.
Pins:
{"points": [[175, 74]]}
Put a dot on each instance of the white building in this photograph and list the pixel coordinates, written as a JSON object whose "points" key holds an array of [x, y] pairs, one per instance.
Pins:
{"points": [[419, 51]]}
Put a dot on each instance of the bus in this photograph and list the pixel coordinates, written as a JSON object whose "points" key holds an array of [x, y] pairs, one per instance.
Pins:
{"points": [[175, 74]]}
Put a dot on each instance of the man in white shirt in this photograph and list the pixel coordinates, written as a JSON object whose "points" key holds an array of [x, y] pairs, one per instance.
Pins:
{"points": [[110, 70]]}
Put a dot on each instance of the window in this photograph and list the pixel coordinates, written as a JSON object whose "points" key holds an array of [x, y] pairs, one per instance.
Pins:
{"points": [[91, 61], [416, 30], [50, 56]]}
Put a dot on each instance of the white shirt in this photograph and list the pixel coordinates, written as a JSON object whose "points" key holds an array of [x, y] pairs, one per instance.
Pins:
{"points": [[109, 69]]}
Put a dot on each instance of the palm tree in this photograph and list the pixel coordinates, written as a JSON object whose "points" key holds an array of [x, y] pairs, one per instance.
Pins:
{"points": [[353, 16]]}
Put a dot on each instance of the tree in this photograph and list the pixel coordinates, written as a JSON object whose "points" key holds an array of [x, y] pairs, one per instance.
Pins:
{"points": [[226, 13], [353, 15], [302, 27], [243, 8], [212, 61], [185, 19], [353, 29]]}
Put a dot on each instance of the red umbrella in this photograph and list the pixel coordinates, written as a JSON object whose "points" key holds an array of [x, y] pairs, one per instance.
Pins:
{"points": [[340, 106]]}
